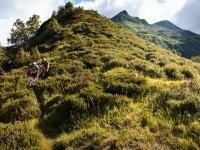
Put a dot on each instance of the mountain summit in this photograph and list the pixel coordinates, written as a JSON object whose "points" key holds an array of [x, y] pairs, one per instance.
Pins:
{"points": [[163, 33], [167, 24], [124, 16]]}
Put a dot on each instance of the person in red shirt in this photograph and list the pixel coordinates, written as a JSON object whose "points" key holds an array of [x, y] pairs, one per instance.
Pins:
{"points": [[33, 70]]}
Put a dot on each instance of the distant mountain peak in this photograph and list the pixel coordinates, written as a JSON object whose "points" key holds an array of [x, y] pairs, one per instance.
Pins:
{"points": [[124, 16], [167, 24], [124, 12]]}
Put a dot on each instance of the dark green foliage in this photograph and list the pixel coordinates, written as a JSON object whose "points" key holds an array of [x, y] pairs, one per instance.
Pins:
{"points": [[22, 109], [49, 32], [130, 90], [94, 133], [69, 6], [3, 57], [175, 104], [147, 68], [188, 73], [20, 136], [172, 72], [71, 104], [22, 32], [194, 131]]}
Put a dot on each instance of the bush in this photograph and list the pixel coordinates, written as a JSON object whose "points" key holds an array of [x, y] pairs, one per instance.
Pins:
{"points": [[72, 104], [148, 120], [179, 130], [128, 89], [113, 63], [194, 131], [173, 72], [19, 109], [78, 138], [95, 98], [20, 136], [187, 73], [147, 68], [91, 61]]}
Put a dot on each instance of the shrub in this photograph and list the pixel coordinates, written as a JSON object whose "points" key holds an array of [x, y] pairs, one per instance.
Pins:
{"points": [[128, 89], [78, 138], [71, 104], [20, 136], [147, 68], [91, 61], [184, 144], [19, 109], [179, 130], [188, 73], [194, 131], [148, 120], [113, 63], [173, 72], [95, 98]]}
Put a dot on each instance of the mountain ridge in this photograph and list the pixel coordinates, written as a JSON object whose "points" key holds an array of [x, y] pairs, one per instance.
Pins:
{"points": [[122, 16], [167, 24], [164, 34]]}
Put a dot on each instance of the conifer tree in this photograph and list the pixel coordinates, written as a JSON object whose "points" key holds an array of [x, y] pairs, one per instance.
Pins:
{"points": [[21, 32]]}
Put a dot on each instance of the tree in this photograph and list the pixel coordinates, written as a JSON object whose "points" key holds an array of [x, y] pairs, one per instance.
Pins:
{"points": [[32, 26], [54, 13], [3, 57], [18, 33], [21, 32], [69, 6]]}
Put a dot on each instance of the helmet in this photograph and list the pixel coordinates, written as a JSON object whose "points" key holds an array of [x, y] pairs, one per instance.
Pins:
{"points": [[43, 59], [34, 64]]}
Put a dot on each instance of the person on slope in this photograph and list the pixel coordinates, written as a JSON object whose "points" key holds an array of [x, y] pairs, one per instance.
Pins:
{"points": [[33, 72], [45, 69]]}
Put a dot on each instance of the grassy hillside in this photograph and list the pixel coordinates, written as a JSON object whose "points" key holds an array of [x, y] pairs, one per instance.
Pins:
{"points": [[163, 33], [107, 89]]}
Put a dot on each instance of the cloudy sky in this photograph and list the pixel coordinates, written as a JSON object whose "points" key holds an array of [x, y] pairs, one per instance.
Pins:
{"points": [[184, 13]]}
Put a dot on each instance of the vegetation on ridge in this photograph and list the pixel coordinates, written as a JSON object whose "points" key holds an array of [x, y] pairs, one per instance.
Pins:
{"points": [[107, 89], [163, 33]]}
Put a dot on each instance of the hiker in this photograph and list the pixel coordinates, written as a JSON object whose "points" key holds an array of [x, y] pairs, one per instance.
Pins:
{"points": [[33, 72], [45, 68]]}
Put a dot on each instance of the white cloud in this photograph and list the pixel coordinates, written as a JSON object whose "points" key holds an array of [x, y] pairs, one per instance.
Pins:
{"points": [[151, 10], [23, 9], [154, 11], [110, 8], [5, 26], [188, 17]]}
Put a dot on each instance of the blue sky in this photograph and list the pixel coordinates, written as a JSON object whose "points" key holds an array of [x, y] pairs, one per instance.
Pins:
{"points": [[184, 13], [161, 1]]}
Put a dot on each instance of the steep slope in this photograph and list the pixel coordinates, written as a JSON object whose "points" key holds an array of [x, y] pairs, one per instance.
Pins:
{"points": [[163, 33], [107, 89]]}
